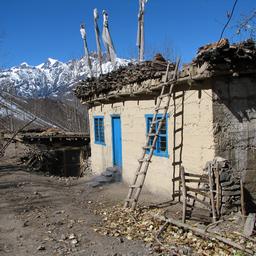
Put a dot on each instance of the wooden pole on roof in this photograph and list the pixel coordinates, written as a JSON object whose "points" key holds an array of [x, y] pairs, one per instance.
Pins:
{"points": [[140, 33], [86, 51], [97, 35]]}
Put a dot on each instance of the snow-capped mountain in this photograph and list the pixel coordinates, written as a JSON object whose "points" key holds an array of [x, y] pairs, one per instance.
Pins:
{"points": [[50, 79]]}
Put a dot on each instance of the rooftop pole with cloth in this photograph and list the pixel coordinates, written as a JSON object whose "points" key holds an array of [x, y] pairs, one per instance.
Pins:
{"points": [[86, 51], [97, 34], [111, 55], [140, 33]]}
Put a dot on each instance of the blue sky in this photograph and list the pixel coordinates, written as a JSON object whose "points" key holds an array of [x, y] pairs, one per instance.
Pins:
{"points": [[37, 29]]}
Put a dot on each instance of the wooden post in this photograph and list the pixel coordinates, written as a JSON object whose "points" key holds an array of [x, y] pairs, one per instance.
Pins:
{"points": [[184, 194], [243, 211], [140, 33], [211, 192], [86, 51], [97, 32], [218, 189]]}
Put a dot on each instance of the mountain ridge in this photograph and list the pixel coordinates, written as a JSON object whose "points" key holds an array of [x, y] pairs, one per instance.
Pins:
{"points": [[52, 78]]}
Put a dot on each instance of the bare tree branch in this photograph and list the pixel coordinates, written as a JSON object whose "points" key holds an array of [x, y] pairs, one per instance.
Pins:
{"points": [[247, 24], [229, 19]]}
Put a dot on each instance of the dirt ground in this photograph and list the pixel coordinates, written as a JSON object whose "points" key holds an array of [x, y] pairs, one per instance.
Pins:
{"points": [[42, 215]]}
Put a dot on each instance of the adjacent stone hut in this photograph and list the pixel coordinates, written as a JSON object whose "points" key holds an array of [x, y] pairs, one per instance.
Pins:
{"points": [[212, 113]]}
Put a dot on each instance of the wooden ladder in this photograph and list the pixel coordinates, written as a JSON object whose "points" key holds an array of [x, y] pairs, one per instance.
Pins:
{"points": [[178, 128], [163, 103]]}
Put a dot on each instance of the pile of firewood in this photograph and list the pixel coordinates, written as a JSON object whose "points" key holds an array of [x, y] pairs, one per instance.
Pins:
{"points": [[133, 73], [41, 161], [225, 56]]}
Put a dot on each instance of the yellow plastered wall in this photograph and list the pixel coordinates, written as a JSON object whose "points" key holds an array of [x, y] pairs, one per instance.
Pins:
{"points": [[198, 139]]}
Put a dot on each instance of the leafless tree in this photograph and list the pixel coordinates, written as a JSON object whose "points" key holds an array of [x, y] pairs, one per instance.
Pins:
{"points": [[247, 24]]}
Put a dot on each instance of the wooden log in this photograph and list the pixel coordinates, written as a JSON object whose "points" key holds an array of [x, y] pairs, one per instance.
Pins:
{"points": [[202, 233]]}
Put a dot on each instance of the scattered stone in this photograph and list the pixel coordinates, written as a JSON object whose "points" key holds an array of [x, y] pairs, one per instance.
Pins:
{"points": [[59, 212], [41, 248], [26, 223], [74, 241], [71, 236], [121, 240]]}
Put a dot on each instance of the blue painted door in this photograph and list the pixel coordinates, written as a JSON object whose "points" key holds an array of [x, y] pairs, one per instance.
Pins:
{"points": [[117, 141]]}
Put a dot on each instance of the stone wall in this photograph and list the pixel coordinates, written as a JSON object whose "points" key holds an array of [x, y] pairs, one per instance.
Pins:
{"points": [[198, 139], [234, 119]]}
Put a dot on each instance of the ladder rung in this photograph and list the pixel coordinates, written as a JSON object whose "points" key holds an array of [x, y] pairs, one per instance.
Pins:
{"points": [[141, 173], [156, 121], [148, 147], [179, 96], [144, 160], [135, 186], [178, 114], [177, 147], [159, 108], [130, 199], [178, 130], [152, 134], [165, 95], [177, 163]]}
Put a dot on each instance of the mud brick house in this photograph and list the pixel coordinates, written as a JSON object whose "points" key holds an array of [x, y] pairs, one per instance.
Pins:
{"points": [[212, 113]]}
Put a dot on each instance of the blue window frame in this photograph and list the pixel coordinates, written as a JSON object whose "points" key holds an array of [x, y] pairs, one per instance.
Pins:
{"points": [[99, 137], [162, 141]]}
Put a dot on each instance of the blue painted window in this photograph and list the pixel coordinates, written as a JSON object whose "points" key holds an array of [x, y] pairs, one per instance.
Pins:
{"points": [[99, 137], [161, 144]]}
